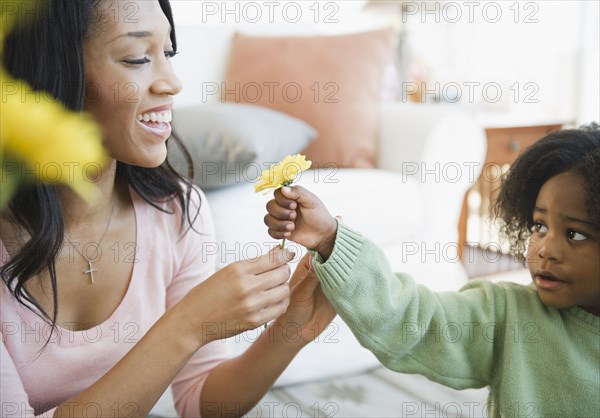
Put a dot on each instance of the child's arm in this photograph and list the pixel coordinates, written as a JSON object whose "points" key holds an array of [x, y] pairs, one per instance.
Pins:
{"points": [[449, 337]]}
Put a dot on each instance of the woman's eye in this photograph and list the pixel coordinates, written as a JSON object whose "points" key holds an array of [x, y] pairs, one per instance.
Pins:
{"points": [[170, 54], [138, 61], [539, 227], [576, 236]]}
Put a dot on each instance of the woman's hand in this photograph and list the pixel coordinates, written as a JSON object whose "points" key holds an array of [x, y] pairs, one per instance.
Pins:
{"points": [[298, 215], [240, 297], [309, 311]]}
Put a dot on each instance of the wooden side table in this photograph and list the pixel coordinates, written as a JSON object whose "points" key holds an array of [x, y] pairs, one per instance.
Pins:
{"points": [[504, 144]]}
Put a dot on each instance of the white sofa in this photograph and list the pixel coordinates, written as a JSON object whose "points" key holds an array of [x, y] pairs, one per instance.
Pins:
{"points": [[409, 205]]}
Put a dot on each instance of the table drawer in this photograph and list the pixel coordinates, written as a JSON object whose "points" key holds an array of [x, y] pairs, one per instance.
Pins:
{"points": [[505, 144]]}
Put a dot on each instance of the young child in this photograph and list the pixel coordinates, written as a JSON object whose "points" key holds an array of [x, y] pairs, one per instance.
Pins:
{"points": [[537, 346]]}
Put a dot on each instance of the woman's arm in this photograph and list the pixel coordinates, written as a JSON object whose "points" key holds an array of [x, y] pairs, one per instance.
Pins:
{"points": [[129, 389], [133, 386], [239, 297], [236, 385]]}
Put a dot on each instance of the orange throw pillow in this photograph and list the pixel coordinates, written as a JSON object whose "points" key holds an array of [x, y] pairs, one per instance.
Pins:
{"points": [[330, 82]]}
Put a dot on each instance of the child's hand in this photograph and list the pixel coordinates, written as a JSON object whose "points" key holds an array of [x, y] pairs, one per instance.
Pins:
{"points": [[300, 216]]}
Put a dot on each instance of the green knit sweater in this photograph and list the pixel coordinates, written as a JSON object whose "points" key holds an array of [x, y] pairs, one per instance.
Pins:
{"points": [[536, 360]]}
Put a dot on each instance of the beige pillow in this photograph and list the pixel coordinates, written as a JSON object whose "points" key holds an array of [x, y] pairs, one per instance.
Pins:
{"points": [[330, 82]]}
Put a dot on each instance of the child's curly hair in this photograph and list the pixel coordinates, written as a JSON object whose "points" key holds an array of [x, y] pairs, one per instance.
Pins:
{"points": [[571, 150]]}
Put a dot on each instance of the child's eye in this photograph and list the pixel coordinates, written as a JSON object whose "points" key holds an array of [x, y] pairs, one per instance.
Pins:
{"points": [[140, 61], [170, 54], [539, 227], [576, 236]]}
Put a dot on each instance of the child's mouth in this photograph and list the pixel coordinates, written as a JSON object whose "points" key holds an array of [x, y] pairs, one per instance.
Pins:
{"points": [[548, 282]]}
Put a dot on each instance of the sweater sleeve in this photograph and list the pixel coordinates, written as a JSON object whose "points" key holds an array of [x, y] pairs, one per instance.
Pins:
{"points": [[449, 337], [196, 263]]}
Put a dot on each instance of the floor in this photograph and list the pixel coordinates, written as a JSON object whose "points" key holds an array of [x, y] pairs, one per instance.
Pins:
{"points": [[377, 393]]}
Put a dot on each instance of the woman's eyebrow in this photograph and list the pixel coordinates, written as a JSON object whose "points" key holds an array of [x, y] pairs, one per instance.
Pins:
{"points": [[137, 34]]}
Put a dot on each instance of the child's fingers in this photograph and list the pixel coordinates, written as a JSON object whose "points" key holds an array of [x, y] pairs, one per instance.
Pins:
{"points": [[301, 195], [278, 225], [276, 210], [283, 200], [277, 234]]}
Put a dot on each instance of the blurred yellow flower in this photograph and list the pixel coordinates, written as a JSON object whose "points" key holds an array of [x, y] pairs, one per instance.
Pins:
{"points": [[40, 139], [283, 173]]}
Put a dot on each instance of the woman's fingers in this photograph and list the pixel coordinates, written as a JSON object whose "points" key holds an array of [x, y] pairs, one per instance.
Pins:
{"points": [[269, 304], [274, 296], [271, 260], [272, 279], [273, 311]]}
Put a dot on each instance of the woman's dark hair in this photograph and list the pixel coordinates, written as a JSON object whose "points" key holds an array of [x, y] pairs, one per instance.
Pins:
{"points": [[47, 52], [570, 150]]}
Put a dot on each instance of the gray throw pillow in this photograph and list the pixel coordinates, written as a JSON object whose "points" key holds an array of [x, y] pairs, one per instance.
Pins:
{"points": [[231, 143]]}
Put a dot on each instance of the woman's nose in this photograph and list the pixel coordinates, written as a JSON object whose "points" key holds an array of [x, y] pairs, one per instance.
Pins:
{"points": [[167, 81]]}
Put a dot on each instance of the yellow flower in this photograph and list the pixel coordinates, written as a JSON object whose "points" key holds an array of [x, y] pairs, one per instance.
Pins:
{"points": [[41, 140], [46, 142], [283, 173]]}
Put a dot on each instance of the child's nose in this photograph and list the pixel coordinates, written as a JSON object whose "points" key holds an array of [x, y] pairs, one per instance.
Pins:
{"points": [[550, 248]]}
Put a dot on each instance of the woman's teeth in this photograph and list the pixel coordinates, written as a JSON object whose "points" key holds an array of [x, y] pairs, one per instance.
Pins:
{"points": [[156, 117]]}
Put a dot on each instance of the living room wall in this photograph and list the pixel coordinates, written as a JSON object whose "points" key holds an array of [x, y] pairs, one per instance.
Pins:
{"points": [[538, 59]]}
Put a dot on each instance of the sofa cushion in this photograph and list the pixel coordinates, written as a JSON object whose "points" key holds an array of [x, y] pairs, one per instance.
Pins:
{"points": [[230, 143], [331, 82]]}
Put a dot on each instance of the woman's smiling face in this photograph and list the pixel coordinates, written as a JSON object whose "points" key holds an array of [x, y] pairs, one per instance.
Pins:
{"points": [[130, 82]]}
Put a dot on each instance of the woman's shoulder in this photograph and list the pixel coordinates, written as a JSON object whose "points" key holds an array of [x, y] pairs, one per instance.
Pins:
{"points": [[178, 211], [191, 198]]}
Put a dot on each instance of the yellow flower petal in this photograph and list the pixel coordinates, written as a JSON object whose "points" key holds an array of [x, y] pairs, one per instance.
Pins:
{"points": [[283, 173], [55, 144]]}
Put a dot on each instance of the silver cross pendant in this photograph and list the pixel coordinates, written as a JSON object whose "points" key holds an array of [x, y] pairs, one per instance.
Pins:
{"points": [[90, 271]]}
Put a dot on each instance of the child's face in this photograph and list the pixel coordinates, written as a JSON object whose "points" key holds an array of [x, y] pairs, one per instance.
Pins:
{"points": [[564, 251]]}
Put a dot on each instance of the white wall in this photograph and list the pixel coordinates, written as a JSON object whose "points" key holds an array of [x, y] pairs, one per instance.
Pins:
{"points": [[530, 42], [588, 108], [540, 56]]}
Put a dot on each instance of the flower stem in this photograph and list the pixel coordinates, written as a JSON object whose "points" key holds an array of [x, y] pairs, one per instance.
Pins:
{"points": [[282, 245]]}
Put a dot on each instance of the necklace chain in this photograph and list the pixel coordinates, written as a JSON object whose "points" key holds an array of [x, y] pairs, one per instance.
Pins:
{"points": [[91, 269]]}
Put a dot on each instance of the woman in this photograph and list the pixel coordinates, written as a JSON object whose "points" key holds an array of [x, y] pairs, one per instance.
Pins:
{"points": [[106, 305]]}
